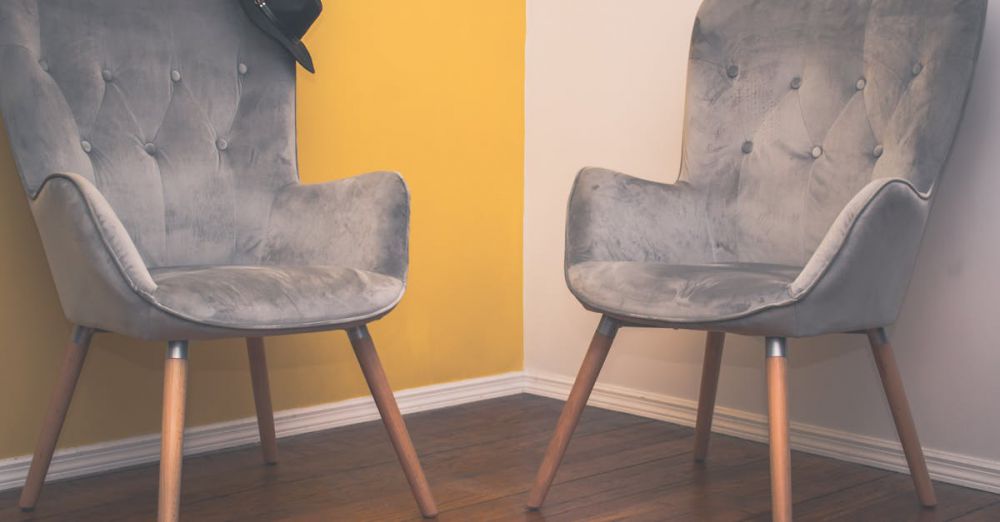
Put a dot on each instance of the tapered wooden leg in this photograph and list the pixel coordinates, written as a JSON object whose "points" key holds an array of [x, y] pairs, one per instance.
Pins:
{"points": [[371, 367], [69, 374], [905, 427], [777, 407], [600, 345], [172, 444], [706, 397], [262, 399]]}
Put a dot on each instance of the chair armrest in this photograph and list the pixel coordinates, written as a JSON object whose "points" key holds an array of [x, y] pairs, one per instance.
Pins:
{"points": [[79, 227], [615, 217], [101, 278], [867, 257], [360, 222]]}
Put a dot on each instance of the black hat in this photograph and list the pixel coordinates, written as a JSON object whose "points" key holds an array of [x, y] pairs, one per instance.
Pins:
{"points": [[287, 22]]}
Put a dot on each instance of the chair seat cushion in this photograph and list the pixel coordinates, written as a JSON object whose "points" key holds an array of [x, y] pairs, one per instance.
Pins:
{"points": [[274, 297], [681, 293]]}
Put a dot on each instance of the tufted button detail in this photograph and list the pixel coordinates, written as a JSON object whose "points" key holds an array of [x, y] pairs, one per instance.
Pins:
{"points": [[878, 151], [106, 74], [917, 68], [747, 147], [732, 71], [242, 68], [85, 145], [149, 148], [862, 83], [44, 65], [175, 75], [817, 152], [796, 83], [221, 144]]}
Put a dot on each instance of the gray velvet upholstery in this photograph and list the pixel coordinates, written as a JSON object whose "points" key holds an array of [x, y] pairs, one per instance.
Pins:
{"points": [[815, 134], [156, 142]]}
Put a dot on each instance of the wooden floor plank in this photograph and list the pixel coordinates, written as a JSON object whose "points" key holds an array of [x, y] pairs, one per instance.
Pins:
{"points": [[990, 513], [462, 476], [585, 494], [480, 459], [891, 498]]}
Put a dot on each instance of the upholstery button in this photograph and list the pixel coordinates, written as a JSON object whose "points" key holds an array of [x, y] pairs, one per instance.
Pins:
{"points": [[44, 65], [85, 145], [175, 75], [149, 148], [221, 144], [747, 147], [106, 74], [242, 68], [796, 83], [878, 151], [862, 83], [917, 68], [817, 152], [732, 71]]}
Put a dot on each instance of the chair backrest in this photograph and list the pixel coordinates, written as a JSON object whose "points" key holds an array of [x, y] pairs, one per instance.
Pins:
{"points": [[181, 112], [795, 105]]}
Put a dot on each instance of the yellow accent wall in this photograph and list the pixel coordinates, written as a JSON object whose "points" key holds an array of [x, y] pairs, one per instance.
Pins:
{"points": [[432, 89]]}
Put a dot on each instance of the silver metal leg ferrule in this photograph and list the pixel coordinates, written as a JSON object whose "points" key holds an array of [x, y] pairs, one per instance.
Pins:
{"points": [[878, 336], [82, 335], [358, 333], [177, 350], [608, 327], [776, 346]]}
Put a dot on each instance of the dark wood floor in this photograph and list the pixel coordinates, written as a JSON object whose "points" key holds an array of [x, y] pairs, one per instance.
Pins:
{"points": [[480, 459]]}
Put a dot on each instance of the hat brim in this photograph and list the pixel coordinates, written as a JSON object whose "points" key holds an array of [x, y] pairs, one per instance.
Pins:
{"points": [[295, 47]]}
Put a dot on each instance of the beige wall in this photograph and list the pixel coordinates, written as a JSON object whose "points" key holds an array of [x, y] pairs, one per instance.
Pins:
{"points": [[604, 87]]}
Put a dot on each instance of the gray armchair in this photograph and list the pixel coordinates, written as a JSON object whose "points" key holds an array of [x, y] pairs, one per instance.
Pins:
{"points": [[815, 134], [156, 142]]}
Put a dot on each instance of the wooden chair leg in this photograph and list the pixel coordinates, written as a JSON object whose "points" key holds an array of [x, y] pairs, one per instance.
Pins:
{"points": [[371, 367], [600, 345], [714, 343], [69, 374], [172, 444], [777, 406], [905, 427], [262, 399]]}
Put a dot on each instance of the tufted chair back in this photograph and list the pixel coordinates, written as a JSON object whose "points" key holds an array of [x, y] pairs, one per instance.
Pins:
{"points": [[180, 112], [793, 106]]}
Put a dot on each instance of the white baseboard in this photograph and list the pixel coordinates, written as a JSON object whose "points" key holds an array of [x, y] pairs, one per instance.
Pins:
{"points": [[118, 454], [953, 468]]}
